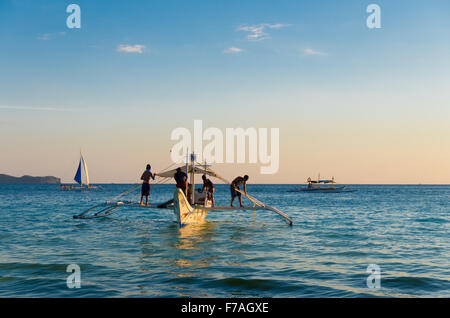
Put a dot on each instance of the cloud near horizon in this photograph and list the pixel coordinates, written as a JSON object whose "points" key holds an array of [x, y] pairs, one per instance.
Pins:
{"points": [[310, 52], [258, 31], [137, 48], [50, 36], [35, 108], [233, 50]]}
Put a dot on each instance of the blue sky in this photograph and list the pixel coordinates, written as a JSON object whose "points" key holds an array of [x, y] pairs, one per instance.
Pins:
{"points": [[313, 64]]}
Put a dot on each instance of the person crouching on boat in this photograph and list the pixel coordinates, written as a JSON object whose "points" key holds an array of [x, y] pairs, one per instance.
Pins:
{"points": [[145, 192], [235, 186], [209, 187], [181, 179]]}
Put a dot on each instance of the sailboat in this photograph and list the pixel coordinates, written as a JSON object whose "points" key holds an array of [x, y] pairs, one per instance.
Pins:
{"points": [[81, 177]]}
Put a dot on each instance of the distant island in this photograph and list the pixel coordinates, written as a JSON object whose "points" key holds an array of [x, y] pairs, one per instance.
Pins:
{"points": [[5, 179]]}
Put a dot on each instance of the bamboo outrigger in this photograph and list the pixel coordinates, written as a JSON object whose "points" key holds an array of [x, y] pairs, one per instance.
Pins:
{"points": [[185, 212]]}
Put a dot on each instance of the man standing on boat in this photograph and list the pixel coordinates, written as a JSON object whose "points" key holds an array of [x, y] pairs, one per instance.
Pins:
{"points": [[181, 179], [209, 187], [235, 186], [145, 192]]}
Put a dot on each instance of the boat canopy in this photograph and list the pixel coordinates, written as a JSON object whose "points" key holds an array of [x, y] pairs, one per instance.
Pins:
{"points": [[195, 169], [321, 181]]}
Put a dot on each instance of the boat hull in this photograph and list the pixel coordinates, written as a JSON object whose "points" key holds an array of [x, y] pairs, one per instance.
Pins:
{"points": [[334, 189], [184, 212], [79, 188]]}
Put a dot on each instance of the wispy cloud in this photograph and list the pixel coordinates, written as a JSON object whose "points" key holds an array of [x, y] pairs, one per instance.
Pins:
{"points": [[310, 51], [137, 48], [51, 109], [259, 32], [233, 50], [50, 36]]}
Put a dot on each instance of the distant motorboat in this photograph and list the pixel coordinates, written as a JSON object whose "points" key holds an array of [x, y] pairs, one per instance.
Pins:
{"points": [[323, 185]]}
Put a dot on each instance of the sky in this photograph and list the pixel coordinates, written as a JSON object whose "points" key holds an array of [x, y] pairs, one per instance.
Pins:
{"points": [[362, 105]]}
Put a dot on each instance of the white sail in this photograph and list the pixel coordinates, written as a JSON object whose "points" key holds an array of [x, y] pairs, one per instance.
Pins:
{"points": [[85, 171]]}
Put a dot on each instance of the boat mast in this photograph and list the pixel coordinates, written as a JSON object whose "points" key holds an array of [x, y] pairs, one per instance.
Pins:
{"points": [[187, 171], [81, 176], [192, 185]]}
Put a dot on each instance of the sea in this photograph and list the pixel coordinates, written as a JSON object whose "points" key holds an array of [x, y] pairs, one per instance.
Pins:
{"points": [[376, 241]]}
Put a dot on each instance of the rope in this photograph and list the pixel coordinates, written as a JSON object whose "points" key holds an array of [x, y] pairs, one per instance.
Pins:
{"points": [[248, 196], [169, 166], [160, 181], [253, 199], [125, 192], [164, 180]]}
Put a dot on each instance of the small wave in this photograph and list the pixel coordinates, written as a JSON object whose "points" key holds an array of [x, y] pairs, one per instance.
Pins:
{"points": [[416, 284], [431, 220], [32, 266], [249, 284]]}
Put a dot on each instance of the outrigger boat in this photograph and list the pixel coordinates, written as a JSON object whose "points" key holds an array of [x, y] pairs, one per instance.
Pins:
{"points": [[187, 209], [322, 185], [81, 178]]}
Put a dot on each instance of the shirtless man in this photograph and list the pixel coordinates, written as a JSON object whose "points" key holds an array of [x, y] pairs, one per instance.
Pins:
{"points": [[145, 192], [235, 186], [181, 180]]}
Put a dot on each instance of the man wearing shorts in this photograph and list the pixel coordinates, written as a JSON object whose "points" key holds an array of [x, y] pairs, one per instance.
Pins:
{"points": [[235, 186], [145, 191]]}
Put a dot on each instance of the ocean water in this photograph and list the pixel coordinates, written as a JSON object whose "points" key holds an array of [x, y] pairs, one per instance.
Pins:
{"points": [[142, 253]]}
